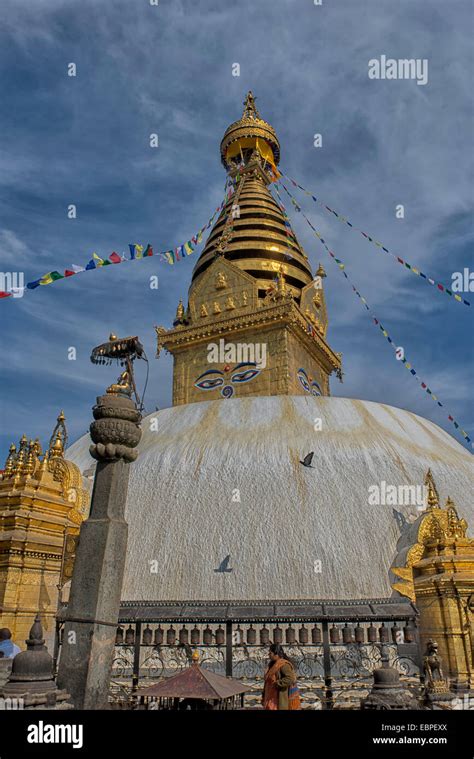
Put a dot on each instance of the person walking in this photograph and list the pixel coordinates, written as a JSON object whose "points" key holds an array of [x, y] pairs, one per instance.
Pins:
{"points": [[7, 647], [280, 691]]}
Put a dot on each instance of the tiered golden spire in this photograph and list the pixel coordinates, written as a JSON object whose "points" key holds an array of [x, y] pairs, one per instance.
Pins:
{"points": [[251, 230], [252, 273], [26, 460], [432, 497]]}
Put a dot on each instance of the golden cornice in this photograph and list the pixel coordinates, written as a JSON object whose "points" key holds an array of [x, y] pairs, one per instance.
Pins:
{"points": [[287, 311]]}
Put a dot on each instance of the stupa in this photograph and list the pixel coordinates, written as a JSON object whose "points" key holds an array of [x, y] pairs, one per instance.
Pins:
{"points": [[219, 503]]}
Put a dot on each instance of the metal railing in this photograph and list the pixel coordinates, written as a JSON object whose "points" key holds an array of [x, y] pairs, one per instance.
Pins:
{"points": [[334, 645]]}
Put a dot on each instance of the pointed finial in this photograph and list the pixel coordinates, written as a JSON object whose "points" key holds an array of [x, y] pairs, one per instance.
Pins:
{"points": [[250, 110], [433, 498], [321, 272], [58, 441], [10, 462], [178, 319], [112, 336], [36, 638], [195, 657]]}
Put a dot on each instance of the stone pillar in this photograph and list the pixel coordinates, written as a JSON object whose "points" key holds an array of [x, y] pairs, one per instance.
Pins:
{"points": [[92, 613]]}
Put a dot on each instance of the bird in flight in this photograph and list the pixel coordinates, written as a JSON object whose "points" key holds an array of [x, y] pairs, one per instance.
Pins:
{"points": [[224, 565], [308, 459]]}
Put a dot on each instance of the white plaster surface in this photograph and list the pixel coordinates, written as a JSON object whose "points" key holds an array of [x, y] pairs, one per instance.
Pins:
{"points": [[181, 513]]}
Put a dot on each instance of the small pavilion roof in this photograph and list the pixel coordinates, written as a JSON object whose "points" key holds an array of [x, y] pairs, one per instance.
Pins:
{"points": [[195, 682]]}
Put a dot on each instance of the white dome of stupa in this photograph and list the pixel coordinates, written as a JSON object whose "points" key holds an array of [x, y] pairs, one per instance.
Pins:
{"points": [[219, 506]]}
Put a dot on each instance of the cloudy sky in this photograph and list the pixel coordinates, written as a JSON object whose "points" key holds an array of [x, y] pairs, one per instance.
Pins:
{"points": [[167, 69]]}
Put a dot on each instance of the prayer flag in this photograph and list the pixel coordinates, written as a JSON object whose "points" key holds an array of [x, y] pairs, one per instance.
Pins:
{"points": [[115, 258]]}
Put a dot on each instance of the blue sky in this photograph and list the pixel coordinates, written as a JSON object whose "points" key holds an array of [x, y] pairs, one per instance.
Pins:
{"points": [[168, 70]]}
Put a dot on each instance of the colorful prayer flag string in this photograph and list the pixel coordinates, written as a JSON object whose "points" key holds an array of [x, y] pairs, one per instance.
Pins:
{"points": [[377, 322], [137, 252], [410, 267]]}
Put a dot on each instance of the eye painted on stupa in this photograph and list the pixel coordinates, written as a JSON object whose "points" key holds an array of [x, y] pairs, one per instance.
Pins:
{"points": [[315, 389], [209, 380], [303, 378], [242, 374]]}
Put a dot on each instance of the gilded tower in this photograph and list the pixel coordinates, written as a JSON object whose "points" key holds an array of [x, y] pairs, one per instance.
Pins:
{"points": [[256, 320], [42, 505], [435, 569]]}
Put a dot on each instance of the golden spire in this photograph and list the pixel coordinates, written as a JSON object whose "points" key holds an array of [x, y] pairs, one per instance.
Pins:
{"points": [[56, 449], [251, 231], [250, 109], [31, 460], [10, 462], [248, 133], [433, 497], [58, 440], [321, 272], [179, 318]]}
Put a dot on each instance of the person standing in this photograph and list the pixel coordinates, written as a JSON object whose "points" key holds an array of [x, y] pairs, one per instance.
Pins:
{"points": [[8, 648], [280, 691]]}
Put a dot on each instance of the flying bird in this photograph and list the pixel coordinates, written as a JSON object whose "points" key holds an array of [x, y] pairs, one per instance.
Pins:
{"points": [[224, 565], [400, 519], [308, 459]]}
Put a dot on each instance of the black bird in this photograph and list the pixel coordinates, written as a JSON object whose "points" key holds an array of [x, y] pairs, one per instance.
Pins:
{"points": [[224, 565], [308, 459], [400, 519]]}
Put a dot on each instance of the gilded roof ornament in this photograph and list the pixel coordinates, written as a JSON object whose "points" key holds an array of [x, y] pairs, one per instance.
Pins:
{"points": [[436, 526], [58, 439], [433, 497]]}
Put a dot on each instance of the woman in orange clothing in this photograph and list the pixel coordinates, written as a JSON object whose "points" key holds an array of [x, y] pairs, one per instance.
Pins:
{"points": [[280, 690]]}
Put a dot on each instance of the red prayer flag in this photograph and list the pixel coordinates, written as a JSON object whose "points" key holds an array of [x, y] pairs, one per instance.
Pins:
{"points": [[115, 258], [68, 273], [4, 294]]}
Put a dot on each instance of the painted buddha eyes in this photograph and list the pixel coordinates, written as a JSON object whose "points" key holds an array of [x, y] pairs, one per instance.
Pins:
{"points": [[209, 380], [310, 386], [315, 389], [247, 374], [214, 378], [303, 378]]}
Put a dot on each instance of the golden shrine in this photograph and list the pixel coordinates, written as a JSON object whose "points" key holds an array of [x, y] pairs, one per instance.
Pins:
{"points": [[438, 575], [42, 505]]}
